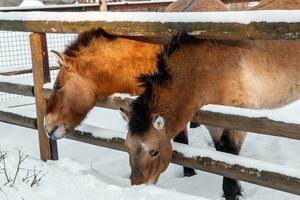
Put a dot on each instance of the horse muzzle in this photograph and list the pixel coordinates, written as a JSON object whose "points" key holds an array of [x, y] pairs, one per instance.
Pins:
{"points": [[138, 180], [55, 133]]}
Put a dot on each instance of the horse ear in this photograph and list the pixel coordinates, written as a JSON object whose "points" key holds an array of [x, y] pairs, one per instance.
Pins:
{"points": [[62, 58], [158, 122], [125, 114]]}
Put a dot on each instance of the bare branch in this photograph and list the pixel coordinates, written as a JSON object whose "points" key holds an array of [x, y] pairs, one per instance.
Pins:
{"points": [[8, 179], [37, 178], [22, 158], [32, 176]]}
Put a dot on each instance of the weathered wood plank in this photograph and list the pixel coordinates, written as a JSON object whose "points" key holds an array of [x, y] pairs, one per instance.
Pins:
{"points": [[24, 71], [228, 29], [264, 178], [15, 119], [41, 75], [26, 90], [260, 125]]}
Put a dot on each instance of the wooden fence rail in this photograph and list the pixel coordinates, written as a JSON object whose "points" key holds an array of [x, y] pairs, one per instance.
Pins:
{"points": [[263, 177], [239, 25], [23, 71]]}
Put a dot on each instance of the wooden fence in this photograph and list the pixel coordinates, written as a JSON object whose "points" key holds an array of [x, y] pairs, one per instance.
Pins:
{"points": [[232, 29]]}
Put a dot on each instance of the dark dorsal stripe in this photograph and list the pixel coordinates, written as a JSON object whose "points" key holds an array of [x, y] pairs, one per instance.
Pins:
{"points": [[84, 39], [140, 120]]}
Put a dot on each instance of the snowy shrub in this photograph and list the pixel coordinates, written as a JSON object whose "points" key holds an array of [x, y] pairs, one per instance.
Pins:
{"points": [[13, 172]]}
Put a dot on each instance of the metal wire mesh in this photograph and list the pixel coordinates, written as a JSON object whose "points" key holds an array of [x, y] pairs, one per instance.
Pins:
{"points": [[15, 55], [242, 6], [57, 42]]}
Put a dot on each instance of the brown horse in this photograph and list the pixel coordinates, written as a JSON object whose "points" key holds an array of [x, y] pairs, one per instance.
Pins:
{"points": [[236, 138], [251, 74], [89, 69], [277, 4]]}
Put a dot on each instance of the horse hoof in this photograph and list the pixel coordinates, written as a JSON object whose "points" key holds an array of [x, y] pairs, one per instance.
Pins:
{"points": [[236, 198], [232, 197], [232, 189], [188, 172]]}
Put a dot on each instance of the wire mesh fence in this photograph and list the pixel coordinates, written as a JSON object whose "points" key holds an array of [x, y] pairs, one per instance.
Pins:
{"points": [[241, 6], [15, 55]]}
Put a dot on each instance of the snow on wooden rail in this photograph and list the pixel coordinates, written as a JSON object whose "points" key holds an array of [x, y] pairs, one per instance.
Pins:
{"points": [[242, 25], [258, 124], [262, 173]]}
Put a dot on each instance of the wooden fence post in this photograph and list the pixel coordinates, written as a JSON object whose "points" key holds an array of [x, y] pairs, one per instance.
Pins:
{"points": [[41, 75]]}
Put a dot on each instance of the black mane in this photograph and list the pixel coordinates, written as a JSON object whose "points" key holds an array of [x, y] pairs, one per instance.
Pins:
{"points": [[140, 119], [85, 38]]}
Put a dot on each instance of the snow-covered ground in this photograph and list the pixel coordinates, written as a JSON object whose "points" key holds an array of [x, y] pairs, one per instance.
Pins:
{"points": [[89, 172]]}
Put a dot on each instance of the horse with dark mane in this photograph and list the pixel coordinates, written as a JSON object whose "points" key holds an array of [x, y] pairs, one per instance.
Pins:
{"points": [[247, 74]]}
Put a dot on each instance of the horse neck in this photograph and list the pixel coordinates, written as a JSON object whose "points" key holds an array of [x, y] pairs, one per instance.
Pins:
{"points": [[176, 109], [120, 62], [191, 86]]}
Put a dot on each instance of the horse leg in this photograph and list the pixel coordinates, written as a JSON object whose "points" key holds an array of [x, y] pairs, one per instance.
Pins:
{"points": [[182, 137], [229, 141]]}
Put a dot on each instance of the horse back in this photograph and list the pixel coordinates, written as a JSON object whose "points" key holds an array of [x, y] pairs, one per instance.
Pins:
{"points": [[254, 74]]}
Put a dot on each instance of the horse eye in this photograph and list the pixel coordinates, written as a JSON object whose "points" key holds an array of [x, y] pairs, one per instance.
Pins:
{"points": [[154, 154]]}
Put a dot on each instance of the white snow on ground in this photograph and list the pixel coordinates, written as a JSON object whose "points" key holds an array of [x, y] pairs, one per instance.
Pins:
{"points": [[244, 17], [89, 172], [31, 3], [67, 179]]}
